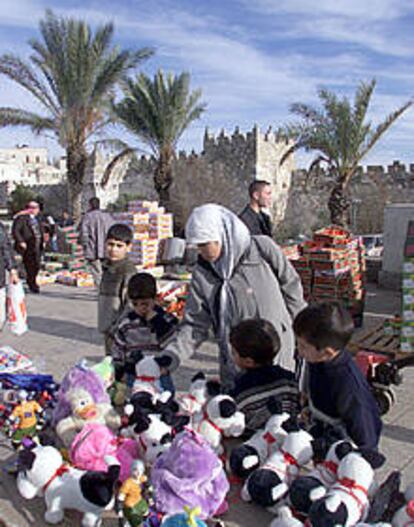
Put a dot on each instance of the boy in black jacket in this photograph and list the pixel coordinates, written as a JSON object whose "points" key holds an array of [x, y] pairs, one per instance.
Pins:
{"points": [[338, 393], [255, 344]]}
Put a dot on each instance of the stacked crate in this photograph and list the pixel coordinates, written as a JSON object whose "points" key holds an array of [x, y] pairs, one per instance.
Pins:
{"points": [[331, 267], [407, 322], [69, 255], [150, 225]]}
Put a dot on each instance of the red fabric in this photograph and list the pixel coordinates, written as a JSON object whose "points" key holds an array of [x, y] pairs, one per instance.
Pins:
{"points": [[331, 466], [206, 418], [146, 378], [269, 438], [58, 473], [289, 459]]}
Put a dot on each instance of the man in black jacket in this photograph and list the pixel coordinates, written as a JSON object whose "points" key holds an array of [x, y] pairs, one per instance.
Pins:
{"points": [[28, 237], [257, 221]]}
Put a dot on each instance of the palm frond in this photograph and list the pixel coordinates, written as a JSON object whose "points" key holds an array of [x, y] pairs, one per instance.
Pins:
{"points": [[15, 117]]}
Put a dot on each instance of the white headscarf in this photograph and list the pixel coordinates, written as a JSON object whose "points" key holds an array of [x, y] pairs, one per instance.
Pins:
{"points": [[210, 223]]}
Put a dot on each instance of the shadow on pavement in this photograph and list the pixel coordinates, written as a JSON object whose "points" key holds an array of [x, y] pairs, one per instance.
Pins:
{"points": [[72, 294], [65, 329], [398, 433]]}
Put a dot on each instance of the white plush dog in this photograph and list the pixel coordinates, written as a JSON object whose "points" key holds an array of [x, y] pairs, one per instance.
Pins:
{"points": [[42, 472], [220, 418], [346, 502], [270, 483], [252, 453], [200, 391]]}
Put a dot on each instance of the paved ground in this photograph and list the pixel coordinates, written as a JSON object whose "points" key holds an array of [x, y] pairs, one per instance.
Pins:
{"points": [[62, 330]]}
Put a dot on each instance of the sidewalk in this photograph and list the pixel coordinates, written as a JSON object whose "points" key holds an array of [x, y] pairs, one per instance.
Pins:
{"points": [[62, 331]]}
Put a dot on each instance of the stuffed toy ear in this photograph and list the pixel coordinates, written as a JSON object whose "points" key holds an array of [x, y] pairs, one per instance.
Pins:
{"points": [[136, 356], [198, 377], [291, 425], [142, 423], [343, 449], [319, 448], [213, 388], [274, 406], [25, 459], [227, 408], [374, 458], [164, 361]]}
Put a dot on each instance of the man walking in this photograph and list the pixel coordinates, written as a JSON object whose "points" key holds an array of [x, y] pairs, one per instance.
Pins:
{"points": [[257, 221], [27, 233], [95, 224]]}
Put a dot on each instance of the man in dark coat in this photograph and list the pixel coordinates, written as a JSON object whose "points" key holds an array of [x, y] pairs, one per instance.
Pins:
{"points": [[27, 233], [257, 221], [94, 226]]}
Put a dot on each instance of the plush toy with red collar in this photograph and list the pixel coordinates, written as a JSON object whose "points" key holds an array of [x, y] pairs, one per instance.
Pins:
{"points": [[219, 419], [268, 484], [148, 371], [200, 391], [247, 457], [42, 472], [346, 502], [307, 489]]}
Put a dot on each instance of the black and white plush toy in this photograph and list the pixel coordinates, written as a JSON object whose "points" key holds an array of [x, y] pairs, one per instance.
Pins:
{"points": [[247, 457], [268, 484], [148, 373], [219, 419], [200, 391], [43, 472], [346, 503], [307, 489]]}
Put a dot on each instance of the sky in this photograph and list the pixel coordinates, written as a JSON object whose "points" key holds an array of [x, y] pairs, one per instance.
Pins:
{"points": [[251, 58]]}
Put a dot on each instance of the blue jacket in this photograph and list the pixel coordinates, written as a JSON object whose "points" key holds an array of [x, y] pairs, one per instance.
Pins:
{"points": [[339, 390]]}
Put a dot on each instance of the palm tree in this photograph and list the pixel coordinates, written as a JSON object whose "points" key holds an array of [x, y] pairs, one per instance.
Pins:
{"points": [[341, 136], [72, 73], [158, 112]]}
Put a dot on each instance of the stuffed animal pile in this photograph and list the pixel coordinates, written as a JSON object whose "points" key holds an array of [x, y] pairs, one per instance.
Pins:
{"points": [[169, 456]]}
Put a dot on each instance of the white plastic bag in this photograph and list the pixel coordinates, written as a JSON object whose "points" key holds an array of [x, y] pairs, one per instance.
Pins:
{"points": [[16, 309]]}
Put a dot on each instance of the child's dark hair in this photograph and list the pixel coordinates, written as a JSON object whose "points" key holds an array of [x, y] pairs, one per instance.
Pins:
{"points": [[120, 233], [142, 286], [257, 339], [325, 325]]}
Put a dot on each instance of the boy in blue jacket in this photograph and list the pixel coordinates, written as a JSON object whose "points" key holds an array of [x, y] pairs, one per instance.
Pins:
{"points": [[338, 393]]}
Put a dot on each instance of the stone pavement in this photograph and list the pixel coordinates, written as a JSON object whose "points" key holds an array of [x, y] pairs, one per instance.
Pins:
{"points": [[62, 331]]}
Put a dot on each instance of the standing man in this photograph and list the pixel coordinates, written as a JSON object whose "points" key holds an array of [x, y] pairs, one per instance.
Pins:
{"points": [[7, 265], [94, 226], [257, 221], [28, 237]]}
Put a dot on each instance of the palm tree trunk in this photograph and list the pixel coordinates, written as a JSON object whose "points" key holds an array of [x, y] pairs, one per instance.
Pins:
{"points": [[163, 177], [339, 206], [76, 170]]}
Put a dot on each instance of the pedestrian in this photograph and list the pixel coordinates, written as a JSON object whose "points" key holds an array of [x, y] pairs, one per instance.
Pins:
{"points": [[67, 220], [144, 329], [52, 231], [338, 394], [27, 233], [255, 344], [256, 220], [117, 270], [238, 276], [93, 229], [7, 265]]}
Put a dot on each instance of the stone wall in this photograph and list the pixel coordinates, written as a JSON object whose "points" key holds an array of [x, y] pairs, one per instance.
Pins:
{"points": [[371, 190], [220, 174]]}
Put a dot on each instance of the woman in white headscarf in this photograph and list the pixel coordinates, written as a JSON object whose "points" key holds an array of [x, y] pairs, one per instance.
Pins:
{"points": [[238, 276]]}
